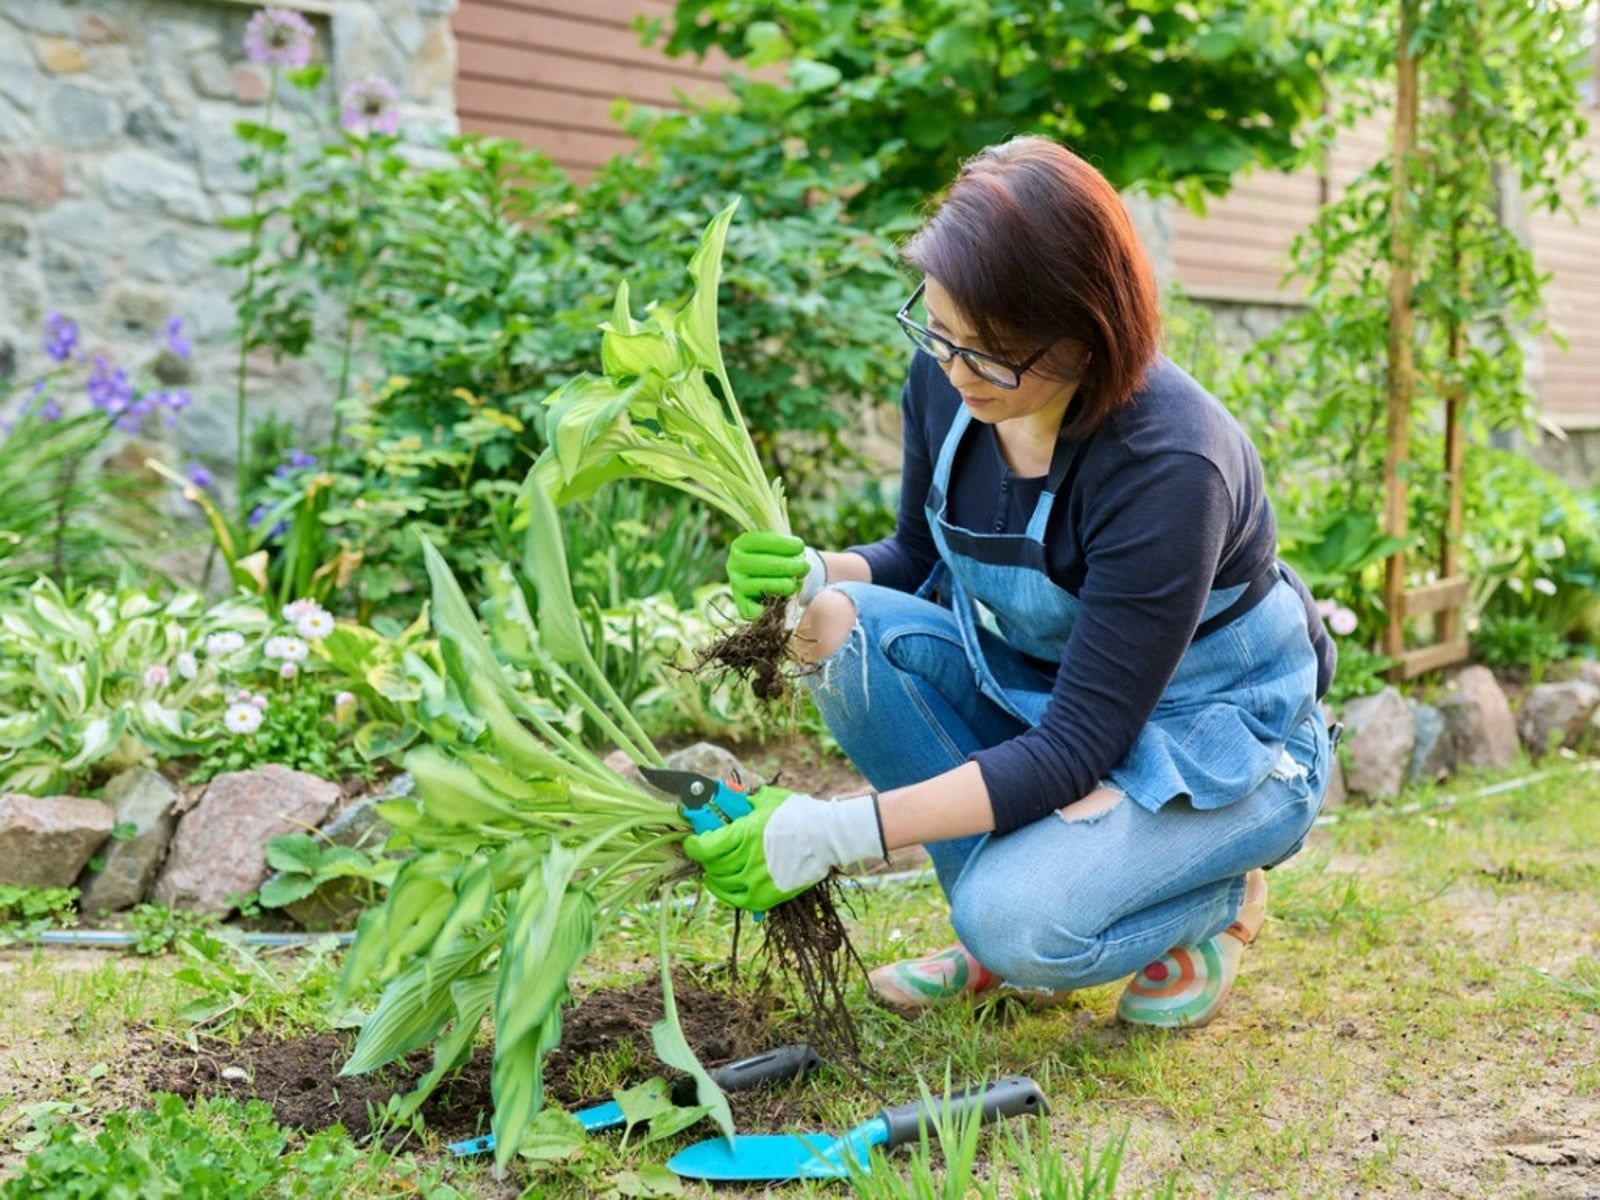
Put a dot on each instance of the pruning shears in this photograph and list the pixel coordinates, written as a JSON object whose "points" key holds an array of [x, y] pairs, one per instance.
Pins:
{"points": [[706, 803]]}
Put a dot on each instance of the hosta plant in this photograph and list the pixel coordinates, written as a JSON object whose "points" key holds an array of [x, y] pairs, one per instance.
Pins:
{"points": [[96, 683], [664, 410], [525, 847]]}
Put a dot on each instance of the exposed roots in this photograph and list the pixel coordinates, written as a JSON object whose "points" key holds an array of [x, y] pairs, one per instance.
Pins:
{"points": [[758, 652], [806, 940]]}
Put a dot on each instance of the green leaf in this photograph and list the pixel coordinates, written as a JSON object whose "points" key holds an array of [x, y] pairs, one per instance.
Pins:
{"points": [[260, 135], [674, 1121], [696, 325], [282, 890], [644, 1102], [307, 78], [808, 75], [554, 1135], [544, 562], [673, 1048], [383, 739], [294, 852]]}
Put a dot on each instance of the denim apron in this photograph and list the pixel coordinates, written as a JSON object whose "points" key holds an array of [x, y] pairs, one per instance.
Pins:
{"points": [[1245, 683]]}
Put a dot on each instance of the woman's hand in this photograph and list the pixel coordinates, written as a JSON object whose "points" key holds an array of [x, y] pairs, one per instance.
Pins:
{"points": [[788, 843], [762, 563]]}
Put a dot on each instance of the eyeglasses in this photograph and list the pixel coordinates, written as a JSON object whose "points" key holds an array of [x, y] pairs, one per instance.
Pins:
{"points": [[986, 366]]}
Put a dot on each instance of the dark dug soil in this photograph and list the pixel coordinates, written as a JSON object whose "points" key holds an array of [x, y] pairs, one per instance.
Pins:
{"points": [[299, 1077]]}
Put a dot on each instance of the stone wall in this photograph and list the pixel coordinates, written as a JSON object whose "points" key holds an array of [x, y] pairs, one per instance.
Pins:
{"points": [[117, 157]]}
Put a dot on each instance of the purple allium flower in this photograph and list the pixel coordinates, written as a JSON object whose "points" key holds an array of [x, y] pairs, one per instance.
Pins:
{"points": [[257, 515], [60, 337], [175, 343], [370, 105], [50, 410], [109, 388], [199, 476], [279, 37]]}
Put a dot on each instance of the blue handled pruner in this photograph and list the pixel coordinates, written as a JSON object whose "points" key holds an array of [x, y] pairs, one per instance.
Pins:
{"points": [[705, 803]]}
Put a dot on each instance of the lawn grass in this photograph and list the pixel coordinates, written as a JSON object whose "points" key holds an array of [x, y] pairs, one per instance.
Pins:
{"points": [[1421, 1017]]}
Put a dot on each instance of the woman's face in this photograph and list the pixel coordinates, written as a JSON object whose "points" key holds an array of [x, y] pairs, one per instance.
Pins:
{"points": [[1037, 394]]}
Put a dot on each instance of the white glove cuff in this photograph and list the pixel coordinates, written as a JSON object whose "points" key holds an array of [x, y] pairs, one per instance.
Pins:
{"points": [[857, 829], [816, 578]]}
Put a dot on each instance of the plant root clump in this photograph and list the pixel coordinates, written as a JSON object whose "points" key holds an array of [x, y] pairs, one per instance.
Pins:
{"points": [[806, 940], [758, 652]]}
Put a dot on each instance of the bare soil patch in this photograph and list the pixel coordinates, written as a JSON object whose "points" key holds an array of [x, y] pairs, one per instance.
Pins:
{"points": [[299, 1076]]}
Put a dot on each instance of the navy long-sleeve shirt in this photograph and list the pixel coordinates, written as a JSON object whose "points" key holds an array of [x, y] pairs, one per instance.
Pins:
{"points": [[1165, 503]]}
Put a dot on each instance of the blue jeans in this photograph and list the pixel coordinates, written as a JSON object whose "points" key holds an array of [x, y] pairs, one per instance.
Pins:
{"points": [[1059, 903]]}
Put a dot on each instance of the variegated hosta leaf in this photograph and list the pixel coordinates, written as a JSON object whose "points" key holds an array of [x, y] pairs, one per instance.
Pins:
{"points": [[471, 996], [549, 931], [629, 348], [697, 323], [414, 1007], [544, 562]]}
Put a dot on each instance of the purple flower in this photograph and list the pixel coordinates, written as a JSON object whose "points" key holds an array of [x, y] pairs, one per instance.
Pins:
{"points": [[199, 476], [279, 37], [109, 387], [370, 105], [257, 514], [60, 338], [50, 410], [175, 343]]}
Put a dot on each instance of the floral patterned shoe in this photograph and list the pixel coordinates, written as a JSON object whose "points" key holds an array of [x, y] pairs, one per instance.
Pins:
{"points": [[916, 983], [1186, 986]]}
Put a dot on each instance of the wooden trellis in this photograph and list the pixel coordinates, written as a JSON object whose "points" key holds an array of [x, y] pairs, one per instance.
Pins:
{"points": [[1445, 599]]}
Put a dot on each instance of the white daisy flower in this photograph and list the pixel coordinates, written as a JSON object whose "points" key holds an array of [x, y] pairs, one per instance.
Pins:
{"points": [[1545, 586], [259, 701], [1343, 622], [288, 671], [188, 667], [290, 649], [242, 718], [156, 676], [314, 626], [296, 609], [226, 642]]}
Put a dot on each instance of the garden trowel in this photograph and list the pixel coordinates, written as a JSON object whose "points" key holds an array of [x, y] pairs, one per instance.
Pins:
{"points": [[772, 1066], [823, 1156]]}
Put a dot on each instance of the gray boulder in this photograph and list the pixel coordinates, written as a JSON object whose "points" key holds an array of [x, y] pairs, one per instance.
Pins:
{"points": [[1380, 734], [1479, 718], [141, 801], [46, 840], [219, 851], [1433, 754], [1557, 714]]}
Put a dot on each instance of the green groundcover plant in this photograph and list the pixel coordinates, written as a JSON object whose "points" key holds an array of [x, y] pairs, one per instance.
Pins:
{"points": [[109, 680]]}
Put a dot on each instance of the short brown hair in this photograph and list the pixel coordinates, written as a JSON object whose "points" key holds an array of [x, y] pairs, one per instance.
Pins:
{"points": [[1034, 245]]}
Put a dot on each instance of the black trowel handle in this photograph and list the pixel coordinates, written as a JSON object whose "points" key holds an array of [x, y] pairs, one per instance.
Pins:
{"points": [[1016, 1097], [773, 1066]]}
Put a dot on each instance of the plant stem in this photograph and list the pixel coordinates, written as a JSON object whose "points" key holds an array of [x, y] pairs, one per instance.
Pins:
{"points": [[358, 270], [245, 314]]}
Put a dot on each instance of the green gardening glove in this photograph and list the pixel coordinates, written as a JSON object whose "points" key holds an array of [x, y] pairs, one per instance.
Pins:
{"points": [[762, 563], [785, 844]]}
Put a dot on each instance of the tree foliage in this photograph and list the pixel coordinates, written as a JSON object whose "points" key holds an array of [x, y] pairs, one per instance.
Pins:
{"points": [[1177, 95]]}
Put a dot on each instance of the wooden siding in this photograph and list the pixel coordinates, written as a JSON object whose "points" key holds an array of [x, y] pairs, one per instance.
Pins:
{"points": [[1240, 249], [1569, 382], [547, 71]]}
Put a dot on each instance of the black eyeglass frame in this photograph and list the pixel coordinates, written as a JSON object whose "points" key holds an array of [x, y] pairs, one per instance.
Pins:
{"points": [[911, 329]]}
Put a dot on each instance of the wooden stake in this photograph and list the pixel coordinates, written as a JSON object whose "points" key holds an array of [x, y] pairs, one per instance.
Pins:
{"points": [[1402, 384]]}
